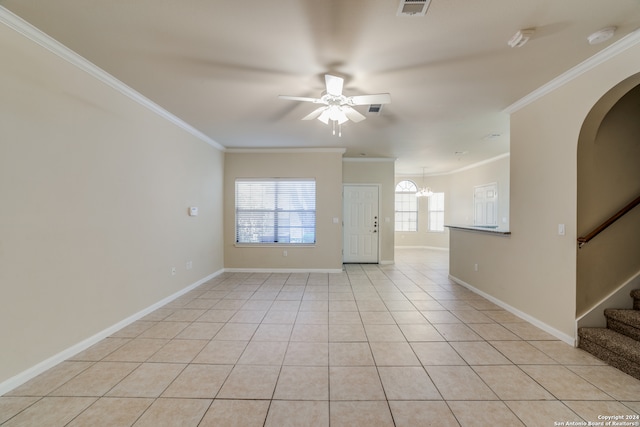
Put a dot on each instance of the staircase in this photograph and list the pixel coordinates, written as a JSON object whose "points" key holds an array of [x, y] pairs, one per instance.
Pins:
{"points": [[619, 343]]}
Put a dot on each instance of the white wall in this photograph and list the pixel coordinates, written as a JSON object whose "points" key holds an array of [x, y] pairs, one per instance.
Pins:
{"points": [[94, 191]]}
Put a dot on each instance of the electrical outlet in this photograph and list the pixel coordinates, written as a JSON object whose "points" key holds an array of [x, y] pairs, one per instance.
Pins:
{"points": [[475, 267], [189, 265], [173, 271], [284, 253]]}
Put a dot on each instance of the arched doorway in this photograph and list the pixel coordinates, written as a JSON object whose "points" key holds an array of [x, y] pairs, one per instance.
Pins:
{"points": [[608, 164]]}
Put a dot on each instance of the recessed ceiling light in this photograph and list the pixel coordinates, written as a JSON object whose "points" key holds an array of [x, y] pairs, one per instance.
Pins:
{"points": [[602, 35]]}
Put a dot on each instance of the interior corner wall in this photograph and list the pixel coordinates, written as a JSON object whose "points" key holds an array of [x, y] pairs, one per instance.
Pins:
{"points": [[326, 168], [94, 192], [379, 171], [534, 270]]}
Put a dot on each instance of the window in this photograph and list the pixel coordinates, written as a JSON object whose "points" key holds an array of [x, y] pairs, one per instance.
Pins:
{"points": [[406, 206], [436, 212], [276, 211]]}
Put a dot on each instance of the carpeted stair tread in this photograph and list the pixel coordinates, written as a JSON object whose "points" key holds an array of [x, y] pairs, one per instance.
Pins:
{"points": [[630, 317], [626, 322], [615, 342], [616, 349]]}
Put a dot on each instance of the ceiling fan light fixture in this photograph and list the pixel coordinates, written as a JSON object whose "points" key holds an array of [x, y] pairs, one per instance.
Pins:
{"points": [[324, 117], [338, 108], [336, 114]]}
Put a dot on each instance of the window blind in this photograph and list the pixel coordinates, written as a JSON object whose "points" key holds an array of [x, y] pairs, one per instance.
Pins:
{"points": [[276, 211], [436, 212]]}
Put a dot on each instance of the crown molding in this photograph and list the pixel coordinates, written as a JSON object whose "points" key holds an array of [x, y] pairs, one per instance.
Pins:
{"points": [[285, 150], [369, 159], [601, 57], [462, 169], [478, 164], [32, 33]]}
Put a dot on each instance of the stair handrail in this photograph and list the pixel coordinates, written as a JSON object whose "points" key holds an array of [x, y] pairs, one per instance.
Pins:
{"points": [[599, 229]]}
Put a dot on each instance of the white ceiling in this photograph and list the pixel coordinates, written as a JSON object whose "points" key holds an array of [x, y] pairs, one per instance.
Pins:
{"points": [[220, 65]]}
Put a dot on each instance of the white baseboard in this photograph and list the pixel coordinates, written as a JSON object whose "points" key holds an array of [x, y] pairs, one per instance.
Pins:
{"points": [[534, 321], [387, 262], [49, 363], [435, 248], [283, 270]]}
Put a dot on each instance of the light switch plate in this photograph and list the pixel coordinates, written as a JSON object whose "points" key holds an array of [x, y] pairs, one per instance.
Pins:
{"points": [[560, 229]]}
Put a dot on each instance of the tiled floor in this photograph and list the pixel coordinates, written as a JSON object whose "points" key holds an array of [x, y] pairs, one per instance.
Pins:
{"points": [[374, 346]]}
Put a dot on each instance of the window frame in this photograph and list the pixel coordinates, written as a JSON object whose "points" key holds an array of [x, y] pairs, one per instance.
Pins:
{"points": [[439, 228], [406, 191], [276, 212]]}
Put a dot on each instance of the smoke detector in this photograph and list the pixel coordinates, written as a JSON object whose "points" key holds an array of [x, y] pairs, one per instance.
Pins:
{"points": [[521, 37], [413, 7], [602, 35]]}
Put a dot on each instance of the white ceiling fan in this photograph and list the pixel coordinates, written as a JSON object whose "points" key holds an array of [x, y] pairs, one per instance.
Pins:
{"points": [[337, 107]]}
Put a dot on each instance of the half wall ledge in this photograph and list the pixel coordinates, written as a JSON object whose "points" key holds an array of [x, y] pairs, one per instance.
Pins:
{"points": [[489, 229]]}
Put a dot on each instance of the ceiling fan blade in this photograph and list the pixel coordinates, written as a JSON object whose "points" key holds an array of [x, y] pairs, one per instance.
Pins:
{"points": [[315, 113], [379, 98], [352, 114], [300, 98], [334, 84]]}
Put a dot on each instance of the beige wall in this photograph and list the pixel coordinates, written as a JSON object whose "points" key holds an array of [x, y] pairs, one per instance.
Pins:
{"points": [[323, 165], [458, 198], [534, 270], [377, 171], [94, 192], [608, 179]]}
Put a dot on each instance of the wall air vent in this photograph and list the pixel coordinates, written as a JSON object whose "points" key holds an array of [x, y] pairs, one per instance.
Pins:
{"points": [[413, 7]]}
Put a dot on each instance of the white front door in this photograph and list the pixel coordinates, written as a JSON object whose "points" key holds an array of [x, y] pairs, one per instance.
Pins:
{"points": [[361, 223]]}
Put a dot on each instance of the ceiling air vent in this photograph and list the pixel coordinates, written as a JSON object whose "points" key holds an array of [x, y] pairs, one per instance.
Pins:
{"points": [[413, 7], [374, 109]]}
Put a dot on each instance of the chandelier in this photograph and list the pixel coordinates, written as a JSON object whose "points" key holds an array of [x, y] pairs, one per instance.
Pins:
{"points": [[424, 191]]}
